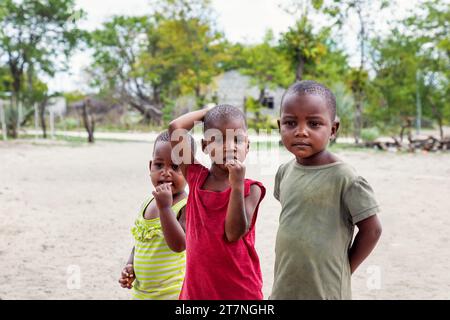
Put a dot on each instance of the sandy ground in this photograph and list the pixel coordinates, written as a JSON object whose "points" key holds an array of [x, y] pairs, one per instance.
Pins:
{"points": [[66, 210]]}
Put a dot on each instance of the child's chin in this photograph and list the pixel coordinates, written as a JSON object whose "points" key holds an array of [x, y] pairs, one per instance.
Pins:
{"points": [[177, 190], [220, 164], [302, 155]]}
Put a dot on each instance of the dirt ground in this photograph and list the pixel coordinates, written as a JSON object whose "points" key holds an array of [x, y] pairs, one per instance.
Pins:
{"points": [[66, 212]]}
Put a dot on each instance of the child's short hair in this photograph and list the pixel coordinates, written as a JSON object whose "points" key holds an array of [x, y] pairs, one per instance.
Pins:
{"points": [[220, 113], [315, 88], [165, 137]]}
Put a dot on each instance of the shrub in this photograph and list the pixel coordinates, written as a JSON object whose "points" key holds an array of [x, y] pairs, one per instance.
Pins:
{"points": [[370, 134]]}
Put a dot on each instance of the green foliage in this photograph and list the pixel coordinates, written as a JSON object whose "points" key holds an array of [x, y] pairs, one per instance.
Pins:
{"points": [[344, 106], [36, 32], [36, 37], [266, 66], [302, 46], [147, 60], [393, 96], [259, 121], [73, 96], [169, 107], [409, 66], [68, 124], [370, 134]]}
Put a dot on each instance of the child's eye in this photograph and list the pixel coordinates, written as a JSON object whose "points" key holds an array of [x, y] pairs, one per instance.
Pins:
{"points": [[289, 123], [158, 165], [239, 139], [175, 167], [314, 124]]}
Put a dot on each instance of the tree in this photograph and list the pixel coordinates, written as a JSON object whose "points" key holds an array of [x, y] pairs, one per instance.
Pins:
{"points": [[359, 76], [430, 27], [338, 13], [196, 51], [392, 93], [35, 37], [266, 66], [412, 63], [148, 61], [302, 46], [118, 46]]}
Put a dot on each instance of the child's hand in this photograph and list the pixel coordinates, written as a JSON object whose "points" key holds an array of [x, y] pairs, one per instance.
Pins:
{"points": [[127, 277], [236, 173], [163, 196]]}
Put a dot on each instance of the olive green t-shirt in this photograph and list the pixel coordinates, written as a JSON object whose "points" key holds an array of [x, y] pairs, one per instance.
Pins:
{"points": [[320, 206]]}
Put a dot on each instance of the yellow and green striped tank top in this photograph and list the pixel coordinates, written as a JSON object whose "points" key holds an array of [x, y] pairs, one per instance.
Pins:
{"points": [[159, 270]]}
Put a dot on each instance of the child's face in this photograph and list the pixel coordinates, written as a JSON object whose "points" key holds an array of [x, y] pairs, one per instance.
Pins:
{"points": [[163, 170], [306, 125], [226, 140]]}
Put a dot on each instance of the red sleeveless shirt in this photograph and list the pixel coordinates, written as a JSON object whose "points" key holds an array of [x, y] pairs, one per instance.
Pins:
{"points": [[215, 268]]}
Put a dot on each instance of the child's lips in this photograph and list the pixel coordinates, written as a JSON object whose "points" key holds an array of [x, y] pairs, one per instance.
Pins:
{"points": [[162, 182], [301, 144]]}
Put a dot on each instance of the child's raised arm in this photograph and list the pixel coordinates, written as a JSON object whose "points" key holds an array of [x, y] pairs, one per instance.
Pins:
{"points": [[369, 231], [179, 128], [172, 229], [240, 210]]}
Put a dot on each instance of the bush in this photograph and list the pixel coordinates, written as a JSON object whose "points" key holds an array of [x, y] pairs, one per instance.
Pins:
{"points": [[68, 124], [370, 134]]}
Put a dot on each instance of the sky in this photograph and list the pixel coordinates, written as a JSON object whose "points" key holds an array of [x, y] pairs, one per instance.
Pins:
{"points": [[244, 21]]}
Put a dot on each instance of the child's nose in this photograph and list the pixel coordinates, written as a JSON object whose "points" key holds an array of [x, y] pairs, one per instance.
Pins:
{"points": [[167, 172], [230, 145], [301, 131]]}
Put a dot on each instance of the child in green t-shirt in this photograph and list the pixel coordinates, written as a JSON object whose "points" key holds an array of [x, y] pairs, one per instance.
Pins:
{"points": [[322, 199]]}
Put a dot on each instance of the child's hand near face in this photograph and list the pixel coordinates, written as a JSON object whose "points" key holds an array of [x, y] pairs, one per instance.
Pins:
{"points": [[163, 196], [127, 277], [236, 173]]}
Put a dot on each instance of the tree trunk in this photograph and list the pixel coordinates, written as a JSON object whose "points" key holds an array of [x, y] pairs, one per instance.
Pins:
{"points": [[441, 129], [262, 93], [42, 107], [438, 115], [11, 119], [358, 117], [300, 68], [88, 120]]}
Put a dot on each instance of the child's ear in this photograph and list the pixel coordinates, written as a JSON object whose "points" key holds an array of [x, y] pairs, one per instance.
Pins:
{"points": [[335, 127], [150, 165]]}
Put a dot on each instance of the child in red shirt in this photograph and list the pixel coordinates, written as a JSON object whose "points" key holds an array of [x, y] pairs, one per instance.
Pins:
{"points": [[221, 211]]}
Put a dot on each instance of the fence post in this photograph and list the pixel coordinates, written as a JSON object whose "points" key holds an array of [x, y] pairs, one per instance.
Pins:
{"points": [[3, 121]]}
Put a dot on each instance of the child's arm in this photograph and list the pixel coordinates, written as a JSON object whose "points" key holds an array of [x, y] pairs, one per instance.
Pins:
{"points": [[369, 231], [172, 229], [240, 210], [131, 258], [180, 126]]}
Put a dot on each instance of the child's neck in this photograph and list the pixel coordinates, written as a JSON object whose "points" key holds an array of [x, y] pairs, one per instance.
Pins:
{"points": [[318, 159], [178, 196], [217, 180], [219, 174]]}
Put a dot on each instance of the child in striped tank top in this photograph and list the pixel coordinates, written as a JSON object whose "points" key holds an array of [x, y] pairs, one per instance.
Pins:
{"points": [[156, 267]]}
